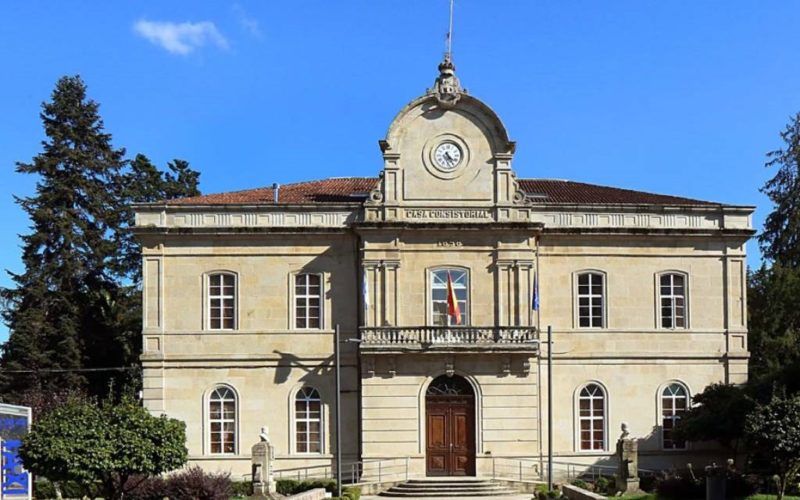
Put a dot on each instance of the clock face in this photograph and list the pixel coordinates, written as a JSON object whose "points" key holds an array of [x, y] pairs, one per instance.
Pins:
{"points": [[447, 156]]}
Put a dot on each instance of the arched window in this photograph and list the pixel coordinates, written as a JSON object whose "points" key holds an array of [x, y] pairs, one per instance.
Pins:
{"points": [[672, 300], [459, 278], [222, 420], [308, 421], [674, 402], [591, 300], [592, 418], [221, 301]]}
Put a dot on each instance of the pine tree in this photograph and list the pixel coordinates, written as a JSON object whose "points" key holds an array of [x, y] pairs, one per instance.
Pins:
{"points": [[773, 290], [780, 240], [77, 306], [66, 254]]}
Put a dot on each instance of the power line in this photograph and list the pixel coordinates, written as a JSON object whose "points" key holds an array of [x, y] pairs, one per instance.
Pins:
{"points": [[65, 370]]}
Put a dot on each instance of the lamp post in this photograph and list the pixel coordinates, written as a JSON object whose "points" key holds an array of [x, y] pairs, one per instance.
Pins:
{"points": [[338, 410], [549, 408]]}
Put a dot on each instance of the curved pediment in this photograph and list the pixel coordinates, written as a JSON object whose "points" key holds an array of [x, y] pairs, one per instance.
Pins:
{"points": [[447, 149]]}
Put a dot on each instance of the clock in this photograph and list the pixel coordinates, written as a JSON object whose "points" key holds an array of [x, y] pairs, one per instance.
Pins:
{"points": [[447, 156]]}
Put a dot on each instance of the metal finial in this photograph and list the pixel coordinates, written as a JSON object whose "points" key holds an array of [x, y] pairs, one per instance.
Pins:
{"points": [[449, 55]]}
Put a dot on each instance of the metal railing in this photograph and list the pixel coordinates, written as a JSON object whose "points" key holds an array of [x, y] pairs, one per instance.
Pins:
{"points": [[360, 472], [591, 472], [410, 336], [516, 469]]}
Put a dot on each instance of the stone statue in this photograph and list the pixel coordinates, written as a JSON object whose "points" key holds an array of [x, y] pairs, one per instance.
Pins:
{"points": [[261, 457], [628, 456]]}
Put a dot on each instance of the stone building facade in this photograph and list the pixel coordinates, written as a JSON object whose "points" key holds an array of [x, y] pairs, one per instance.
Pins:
{"points": [[242, 291]]}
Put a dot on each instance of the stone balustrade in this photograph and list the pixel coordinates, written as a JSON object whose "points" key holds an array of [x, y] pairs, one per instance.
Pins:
{"points": [[443, 338]]}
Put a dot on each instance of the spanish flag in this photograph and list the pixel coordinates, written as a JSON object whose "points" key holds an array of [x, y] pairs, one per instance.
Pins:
{"points": [[452, 302]]}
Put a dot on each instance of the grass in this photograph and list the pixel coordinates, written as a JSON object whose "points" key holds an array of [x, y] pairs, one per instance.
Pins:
{"points": [[762, 496]]}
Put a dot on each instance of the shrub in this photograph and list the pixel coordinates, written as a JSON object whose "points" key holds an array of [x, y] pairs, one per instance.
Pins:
{"points": [[681, 485], [199, 485], [648, 483], [605, 486], [292, 486], [352, 493], [241, 488], [580, 483]]}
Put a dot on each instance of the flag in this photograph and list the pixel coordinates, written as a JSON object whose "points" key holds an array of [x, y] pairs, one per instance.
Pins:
{"points": [[365, 290], [452, 302], [535, 298]]}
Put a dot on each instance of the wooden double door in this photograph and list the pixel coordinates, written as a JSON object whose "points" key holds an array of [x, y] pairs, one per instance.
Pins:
{"points": [[450, 448]]}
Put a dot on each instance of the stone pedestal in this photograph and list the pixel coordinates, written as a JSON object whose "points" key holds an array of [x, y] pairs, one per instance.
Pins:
{"points": [[628, 470], [262, 456]]}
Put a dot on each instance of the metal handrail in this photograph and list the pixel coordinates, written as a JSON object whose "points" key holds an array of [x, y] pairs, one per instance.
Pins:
{"points": [[358, 472]]}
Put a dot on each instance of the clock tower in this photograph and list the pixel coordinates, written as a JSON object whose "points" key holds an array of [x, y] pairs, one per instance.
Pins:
{"points": [[447, 153]]}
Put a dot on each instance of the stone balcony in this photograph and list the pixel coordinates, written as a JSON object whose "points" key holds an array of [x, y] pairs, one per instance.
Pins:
{"points": [[436, 339]]}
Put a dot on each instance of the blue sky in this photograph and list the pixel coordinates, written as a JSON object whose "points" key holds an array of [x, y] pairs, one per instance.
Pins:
{"points": [[678, 97]]}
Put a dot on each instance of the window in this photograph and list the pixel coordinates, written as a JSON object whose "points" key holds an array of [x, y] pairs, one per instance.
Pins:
{"points": [[674, 402], [460, 280], [308, 421], [591, 300], [592, 418], [672, 300], [308, 301], [222, 420], [221, 301]]}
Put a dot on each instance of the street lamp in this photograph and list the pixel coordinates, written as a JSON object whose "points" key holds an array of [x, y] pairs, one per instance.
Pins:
{"points": [[338, 410]]}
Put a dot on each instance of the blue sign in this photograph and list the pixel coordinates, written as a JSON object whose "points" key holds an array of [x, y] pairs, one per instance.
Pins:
{"points": [[14, 424]]}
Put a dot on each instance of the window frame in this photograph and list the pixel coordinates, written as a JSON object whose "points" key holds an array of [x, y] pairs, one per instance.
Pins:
{"points": [[293, 296], [466, 314], [578, 419], [294, 420], [207, 401], [577, 296], [207, 298], [686, 309], [660, 412]]}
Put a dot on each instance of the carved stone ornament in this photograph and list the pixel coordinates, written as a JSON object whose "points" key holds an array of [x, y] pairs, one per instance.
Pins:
{"points": [[447, 88]]}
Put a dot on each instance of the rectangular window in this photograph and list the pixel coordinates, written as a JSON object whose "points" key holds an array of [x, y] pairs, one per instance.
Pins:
{"points": [[672, 292], [440, 314], [221, 301], [591, 308], [308, 301]]}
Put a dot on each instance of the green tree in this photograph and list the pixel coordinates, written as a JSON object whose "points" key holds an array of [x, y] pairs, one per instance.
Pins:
{"points": [[77, 305], [773, 431], [774, 319], [66, 253], [780, 240], [109, 444], [719, 414]]}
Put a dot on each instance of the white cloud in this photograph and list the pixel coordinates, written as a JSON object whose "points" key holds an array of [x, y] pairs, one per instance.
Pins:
{"points": [[247, 22], [180, 38]]}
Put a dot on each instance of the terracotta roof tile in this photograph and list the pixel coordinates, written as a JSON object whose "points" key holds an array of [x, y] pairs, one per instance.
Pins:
{"points": [[335, 190], [352, 190], [569, 192]]}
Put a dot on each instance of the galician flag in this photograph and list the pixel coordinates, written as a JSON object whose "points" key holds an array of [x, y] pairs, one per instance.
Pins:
{"points": [[535, 298], [452, 302]]}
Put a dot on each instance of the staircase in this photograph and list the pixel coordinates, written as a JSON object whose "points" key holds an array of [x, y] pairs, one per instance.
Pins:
{"points": [[448, 487]]}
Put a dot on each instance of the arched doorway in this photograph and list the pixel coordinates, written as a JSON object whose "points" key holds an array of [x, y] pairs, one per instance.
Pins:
{"points": [[450, 427]]}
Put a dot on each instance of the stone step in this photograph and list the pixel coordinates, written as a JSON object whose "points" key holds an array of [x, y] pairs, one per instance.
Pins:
{"points": [[448, 487]]}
